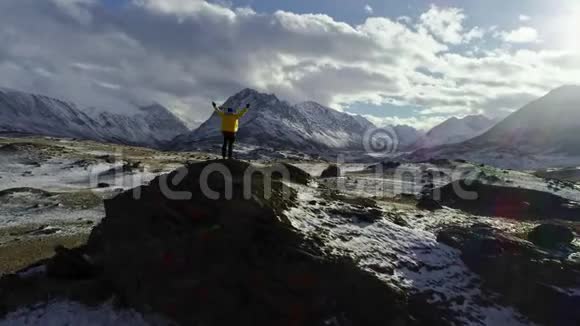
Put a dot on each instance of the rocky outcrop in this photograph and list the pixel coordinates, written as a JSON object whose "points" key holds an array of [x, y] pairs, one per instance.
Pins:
{"points": [[478, 198], [294, 173], [332, 171], [428, 203], [551, 235], [537, 282], [215, 248]]}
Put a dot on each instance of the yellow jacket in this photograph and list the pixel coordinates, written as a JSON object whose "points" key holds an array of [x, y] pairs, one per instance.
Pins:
{"points": [[230, 120]]}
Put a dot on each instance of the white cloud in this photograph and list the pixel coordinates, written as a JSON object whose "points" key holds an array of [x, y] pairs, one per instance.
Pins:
{"points": [[186, 8], [369, 10], [474, 33], [524, 18], [446, 24], [422, 123], [185, 53], [523, 34], [76, 9], [404, 19]]}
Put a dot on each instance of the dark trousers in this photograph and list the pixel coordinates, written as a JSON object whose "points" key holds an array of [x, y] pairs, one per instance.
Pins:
{"points": [[228, 146]]}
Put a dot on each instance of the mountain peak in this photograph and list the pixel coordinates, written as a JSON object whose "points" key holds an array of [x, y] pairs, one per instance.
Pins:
{"points": [[456, 130], [468, 120], [252, 97], [249, 93], [155, 107], [310, 105], [274, 123]]}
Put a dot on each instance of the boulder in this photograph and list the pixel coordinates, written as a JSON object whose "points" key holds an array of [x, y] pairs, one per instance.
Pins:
{"points": [[533, 280], [428, 203], [478, 198], [296, 174], [208, 244], [70, 264], [332, 171], [230, 261], [107, 158], [386, 165], [551, 235]]}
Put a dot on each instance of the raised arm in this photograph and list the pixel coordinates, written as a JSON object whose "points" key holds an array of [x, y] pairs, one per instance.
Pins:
{"points": [[215, 107], [244, 111]]}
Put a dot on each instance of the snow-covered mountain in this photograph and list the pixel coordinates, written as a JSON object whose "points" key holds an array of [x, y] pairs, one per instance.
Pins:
{"points": [[455, 130], [42, 115], [542, 134], [274, 123]]}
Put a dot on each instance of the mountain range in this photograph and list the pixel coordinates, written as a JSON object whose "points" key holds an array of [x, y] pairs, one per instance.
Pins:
{"points": [[26, 113], [543, 133], [277, 124], [305, 127], [454, 130]]}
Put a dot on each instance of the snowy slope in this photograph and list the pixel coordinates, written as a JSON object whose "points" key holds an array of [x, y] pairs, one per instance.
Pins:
{"points": [[408, 257], [542, 134], [270, 122], [549, 124], [36, 114], [455, 130]]}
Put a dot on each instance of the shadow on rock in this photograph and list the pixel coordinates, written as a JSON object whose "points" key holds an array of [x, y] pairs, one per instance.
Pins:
{"points": [[538, 282], [220, 261], [491, 200]]}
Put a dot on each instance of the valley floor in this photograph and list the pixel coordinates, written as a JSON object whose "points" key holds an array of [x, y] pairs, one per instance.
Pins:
{"points": [[52, 190]]}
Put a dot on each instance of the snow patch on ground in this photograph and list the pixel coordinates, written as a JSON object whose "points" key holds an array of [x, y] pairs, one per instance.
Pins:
{"points": [[315, 169], [64, 175], [405, 257], [33, 271], [71, 313]]}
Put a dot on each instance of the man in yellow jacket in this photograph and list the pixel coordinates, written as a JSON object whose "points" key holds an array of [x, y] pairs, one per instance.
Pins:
{"points": [[230, 124]]}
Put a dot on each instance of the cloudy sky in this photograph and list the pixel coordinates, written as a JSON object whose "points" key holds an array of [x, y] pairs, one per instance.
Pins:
{"points": [[415, 62]]}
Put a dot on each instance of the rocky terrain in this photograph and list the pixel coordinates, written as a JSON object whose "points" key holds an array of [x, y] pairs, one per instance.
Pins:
{"points": [[367, 244], [52, 190]]}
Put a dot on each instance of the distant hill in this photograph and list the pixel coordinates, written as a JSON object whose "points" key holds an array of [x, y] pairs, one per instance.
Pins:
{"points": [[455, 130]]}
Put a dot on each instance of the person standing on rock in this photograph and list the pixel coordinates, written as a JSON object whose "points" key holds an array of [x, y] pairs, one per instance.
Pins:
{"points": [[230, 124]]}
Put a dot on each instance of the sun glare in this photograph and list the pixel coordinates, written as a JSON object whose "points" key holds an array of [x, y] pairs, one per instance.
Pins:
{"points": [[570, 29]]}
